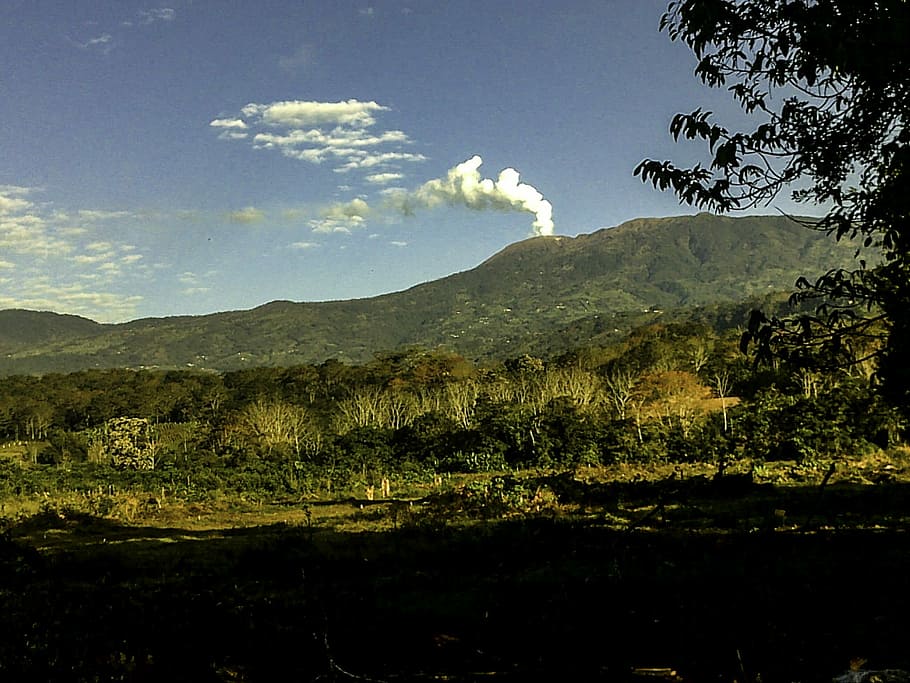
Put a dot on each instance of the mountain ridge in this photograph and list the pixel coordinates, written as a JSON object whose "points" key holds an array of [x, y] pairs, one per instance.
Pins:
{"points": [[518, 299]]}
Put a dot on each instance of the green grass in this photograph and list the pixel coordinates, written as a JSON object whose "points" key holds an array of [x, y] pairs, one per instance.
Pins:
{"points": [[588, 575]]}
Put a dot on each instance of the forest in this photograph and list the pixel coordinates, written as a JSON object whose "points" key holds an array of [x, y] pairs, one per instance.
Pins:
{"points": [[672, 393]]}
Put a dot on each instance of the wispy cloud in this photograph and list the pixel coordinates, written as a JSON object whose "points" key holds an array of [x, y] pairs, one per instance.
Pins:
{"points": [[12, 199], [75, 299], [150, 16], [304, 245], [61, 263], [372, 160], [193, 284], [246, 215], [383, 178], [106, 41], [99, 215], [103, 43], [301, 58]]}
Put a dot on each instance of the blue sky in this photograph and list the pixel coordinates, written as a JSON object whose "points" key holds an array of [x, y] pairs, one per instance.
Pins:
{"points": [[192, 157]]}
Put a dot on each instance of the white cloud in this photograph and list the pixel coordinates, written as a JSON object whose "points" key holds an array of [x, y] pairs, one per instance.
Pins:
{"points": [[301, 58], [228, 123], [107, 41], [339, 139], [342, 132], [304, 245], [61, 266], [303, 113], [15, 190], [193, 283], [104, 43], [29, 233], [342, 217], [76, 298], [398, 243], [85, 259], [109, 268], [97, 215], [231, 129], [246, 215], [11, 200], [150, 16], [72, 231], [365, 160], [383, 178]]}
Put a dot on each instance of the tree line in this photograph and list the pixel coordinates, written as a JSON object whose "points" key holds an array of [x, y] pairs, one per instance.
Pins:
{"points": [[668, 393]]}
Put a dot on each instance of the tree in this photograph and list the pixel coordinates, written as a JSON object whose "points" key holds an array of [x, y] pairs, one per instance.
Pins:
{"points": [[722, 383], [828, 84], [276, 425], [673, 395], [620, 386], [461, 401]]}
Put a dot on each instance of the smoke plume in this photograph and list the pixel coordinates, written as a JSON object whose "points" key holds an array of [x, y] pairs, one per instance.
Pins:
{"points": [[463, 185]]}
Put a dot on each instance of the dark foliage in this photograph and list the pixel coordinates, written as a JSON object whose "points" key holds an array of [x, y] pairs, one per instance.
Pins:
{"points": [[828, 84]]}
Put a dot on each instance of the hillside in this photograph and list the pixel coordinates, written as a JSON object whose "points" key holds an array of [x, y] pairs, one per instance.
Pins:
{"points": [[526, 298], [20, 328]]}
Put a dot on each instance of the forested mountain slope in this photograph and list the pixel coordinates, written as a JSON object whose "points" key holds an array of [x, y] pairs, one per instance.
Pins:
{"points": [[536, 295]]}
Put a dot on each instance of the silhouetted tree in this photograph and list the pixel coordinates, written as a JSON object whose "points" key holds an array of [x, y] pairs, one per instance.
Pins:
{"points": [[828, 84]]}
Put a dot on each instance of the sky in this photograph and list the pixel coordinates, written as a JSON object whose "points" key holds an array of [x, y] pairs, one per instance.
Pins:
{"points": [[191, 157]]}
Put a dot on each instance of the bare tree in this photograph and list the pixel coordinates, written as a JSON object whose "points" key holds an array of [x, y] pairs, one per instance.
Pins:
{"points": [[374, 407], [722, 384], [620, 386], [583, 387], [699, 354], [276, 424], [461, 401]]}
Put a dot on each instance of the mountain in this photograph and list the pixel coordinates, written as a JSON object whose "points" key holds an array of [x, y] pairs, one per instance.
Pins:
{"points": [[30, 328], [540, 295]]}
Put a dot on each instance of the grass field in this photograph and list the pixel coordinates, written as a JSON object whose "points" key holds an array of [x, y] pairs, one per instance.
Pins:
{"points": [[616, 575]]}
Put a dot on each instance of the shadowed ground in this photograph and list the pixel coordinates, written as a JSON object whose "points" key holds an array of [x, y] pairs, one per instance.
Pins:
{"points": [[717, 583]]}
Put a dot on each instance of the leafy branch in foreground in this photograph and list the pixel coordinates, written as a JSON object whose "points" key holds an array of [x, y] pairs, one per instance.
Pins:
{"points": [[828, 84]]}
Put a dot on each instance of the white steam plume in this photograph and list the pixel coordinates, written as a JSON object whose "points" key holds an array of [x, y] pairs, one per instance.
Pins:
{"points": [[463, 185]]}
